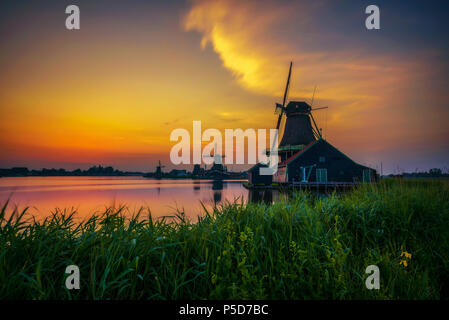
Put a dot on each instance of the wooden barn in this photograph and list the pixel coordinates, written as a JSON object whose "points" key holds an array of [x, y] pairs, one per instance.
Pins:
{"points": [[321, 163], [305, 158]]}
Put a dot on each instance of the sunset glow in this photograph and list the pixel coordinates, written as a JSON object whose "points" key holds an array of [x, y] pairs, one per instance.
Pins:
{"points": [[111, 92]]}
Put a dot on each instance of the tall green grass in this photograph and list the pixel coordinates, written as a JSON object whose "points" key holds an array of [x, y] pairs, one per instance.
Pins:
{"points": [[300, 248]]}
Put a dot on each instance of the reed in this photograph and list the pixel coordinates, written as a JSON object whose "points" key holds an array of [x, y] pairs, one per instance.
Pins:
{"points": [[302, 247]]}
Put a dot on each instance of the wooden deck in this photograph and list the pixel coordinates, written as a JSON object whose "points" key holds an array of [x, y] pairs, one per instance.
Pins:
{"points": [[306, 185]]}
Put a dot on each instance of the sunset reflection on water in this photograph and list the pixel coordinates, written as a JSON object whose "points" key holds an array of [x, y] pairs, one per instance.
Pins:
{"points": [[89, 195]]}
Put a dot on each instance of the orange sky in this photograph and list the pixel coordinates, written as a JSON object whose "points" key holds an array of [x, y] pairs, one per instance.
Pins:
{"points": [[112, 92]]}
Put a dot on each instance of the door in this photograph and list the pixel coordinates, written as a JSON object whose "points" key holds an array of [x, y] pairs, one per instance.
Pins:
{"points": [[321, 175]]}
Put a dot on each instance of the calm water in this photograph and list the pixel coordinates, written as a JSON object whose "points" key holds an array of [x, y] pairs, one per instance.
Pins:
{"points": [[92, 194]]}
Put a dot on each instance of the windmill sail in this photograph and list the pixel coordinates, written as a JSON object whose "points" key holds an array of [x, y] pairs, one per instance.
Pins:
{"points": [[282, 107]]}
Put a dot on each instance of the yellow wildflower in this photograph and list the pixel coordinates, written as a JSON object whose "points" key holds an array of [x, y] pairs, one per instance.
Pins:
{"points": [[406, 254]]}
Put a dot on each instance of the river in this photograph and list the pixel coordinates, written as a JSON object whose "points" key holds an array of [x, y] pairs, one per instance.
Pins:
{"points": [[89, 195]]}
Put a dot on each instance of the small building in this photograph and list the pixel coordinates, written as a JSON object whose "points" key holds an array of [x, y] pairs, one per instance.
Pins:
{"points": [[256, 179], [320, 162]]}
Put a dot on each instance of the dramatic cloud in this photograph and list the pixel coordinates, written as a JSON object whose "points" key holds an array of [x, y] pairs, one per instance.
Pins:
{"points": [[367, 87], [248, 36], [236, 31]]}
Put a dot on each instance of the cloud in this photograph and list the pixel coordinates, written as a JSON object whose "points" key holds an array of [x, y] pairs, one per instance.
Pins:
{"points": [[229, 117], [372, 90], [236, 31], [250, 40]]}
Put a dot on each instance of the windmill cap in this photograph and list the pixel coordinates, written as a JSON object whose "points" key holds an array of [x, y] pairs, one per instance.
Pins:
{"points": [[298, 107]]}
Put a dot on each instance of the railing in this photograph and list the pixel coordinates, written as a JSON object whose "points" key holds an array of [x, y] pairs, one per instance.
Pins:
{"points": [[324, 184]]}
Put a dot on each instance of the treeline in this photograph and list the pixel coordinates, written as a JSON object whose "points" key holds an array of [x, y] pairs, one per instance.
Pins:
{"points": [[432, 173], [93, 171]]}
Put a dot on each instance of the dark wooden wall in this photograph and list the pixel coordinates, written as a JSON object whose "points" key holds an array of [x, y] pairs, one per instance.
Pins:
{"points": [[339, 167]]}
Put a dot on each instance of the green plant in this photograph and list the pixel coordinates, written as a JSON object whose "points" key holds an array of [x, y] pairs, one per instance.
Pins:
{"points": [[301, 247]]}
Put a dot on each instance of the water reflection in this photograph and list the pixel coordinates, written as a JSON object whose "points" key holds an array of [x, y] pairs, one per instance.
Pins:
{"points": [[217, 185], [267, 196], [93, 194], [196, 186]]}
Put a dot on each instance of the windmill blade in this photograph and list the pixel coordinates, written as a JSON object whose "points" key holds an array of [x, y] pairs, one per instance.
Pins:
{"points": [[285, 96], [288, 84], [317, 130], [319, 108], [315, 133]]}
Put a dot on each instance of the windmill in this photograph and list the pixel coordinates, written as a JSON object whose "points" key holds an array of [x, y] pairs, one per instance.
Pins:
{"points": [[217, 157], [301, 164], [218, 170], [298, 129], [158, 173]]}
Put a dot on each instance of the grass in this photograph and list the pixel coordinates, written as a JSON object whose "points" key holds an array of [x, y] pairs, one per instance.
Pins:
{"points": [[300, 248]]}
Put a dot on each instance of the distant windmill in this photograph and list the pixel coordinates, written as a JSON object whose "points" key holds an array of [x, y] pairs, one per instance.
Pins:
{"points": [[217, 157], [218, 170], [158, 173]]}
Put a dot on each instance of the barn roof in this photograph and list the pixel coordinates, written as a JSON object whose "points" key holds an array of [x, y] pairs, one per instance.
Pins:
{"points": [[283, 163], [303, 151], [309, 146]]}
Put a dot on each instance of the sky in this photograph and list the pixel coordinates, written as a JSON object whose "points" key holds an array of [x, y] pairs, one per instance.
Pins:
{"points": [[112, 92]]}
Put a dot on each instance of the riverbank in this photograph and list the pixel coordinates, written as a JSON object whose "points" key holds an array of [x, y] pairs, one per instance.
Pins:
{"points": [[299, 248]]}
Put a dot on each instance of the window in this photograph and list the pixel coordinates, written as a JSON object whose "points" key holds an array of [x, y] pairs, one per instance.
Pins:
{"points": [[322, 159], [321, 175]]}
